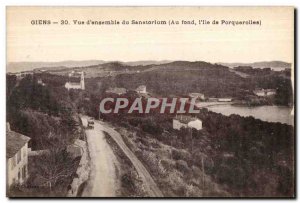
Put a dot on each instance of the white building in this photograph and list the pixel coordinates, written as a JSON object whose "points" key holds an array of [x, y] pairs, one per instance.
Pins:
{"points": [[224, 99], [197, 96], [75, 85], [183, 121], [264, 92], [16, 157], [116, 90], [40, 81], [141, 89]]}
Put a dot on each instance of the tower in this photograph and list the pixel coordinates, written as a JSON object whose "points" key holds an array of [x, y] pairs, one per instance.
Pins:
{"points": [[82, 81]]}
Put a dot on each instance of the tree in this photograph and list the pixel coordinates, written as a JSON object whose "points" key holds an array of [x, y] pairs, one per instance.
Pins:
{"points": [[54, 166]]}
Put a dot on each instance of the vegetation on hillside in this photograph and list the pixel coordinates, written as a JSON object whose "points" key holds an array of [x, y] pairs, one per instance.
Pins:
{"points": [[182, 78], [231, 156], [43, 113], [46, 115], [240, 154]]}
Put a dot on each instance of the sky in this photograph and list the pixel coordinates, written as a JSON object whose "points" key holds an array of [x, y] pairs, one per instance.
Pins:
{"points": [[273, 40]]}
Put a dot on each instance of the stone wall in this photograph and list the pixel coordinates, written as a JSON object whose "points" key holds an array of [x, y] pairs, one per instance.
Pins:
{"points": [[83, 169]]}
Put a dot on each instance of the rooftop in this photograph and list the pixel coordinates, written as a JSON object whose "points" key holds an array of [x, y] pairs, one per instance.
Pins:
{"points": [[72, 79], [116, 90], [194, 94], [141, 88], [74, 83], [264, 90], [185, 119], [14, 142], [75, 74]]}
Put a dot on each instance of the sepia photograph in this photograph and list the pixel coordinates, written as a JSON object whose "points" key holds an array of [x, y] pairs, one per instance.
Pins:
{"points": [[150, 102]]}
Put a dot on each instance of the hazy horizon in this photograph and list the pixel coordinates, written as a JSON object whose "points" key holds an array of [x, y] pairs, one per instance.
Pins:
{"points": [[146, 60], [31, 65]]}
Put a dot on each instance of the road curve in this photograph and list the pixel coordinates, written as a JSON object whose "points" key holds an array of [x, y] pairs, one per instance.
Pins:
{"points": [[102, 181], [149, 183]]}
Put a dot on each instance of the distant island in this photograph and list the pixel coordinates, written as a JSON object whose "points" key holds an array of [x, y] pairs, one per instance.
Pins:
{"points": [[29, 66], [274, 65]]}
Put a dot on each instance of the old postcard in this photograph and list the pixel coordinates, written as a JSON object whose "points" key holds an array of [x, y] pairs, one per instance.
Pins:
{"points": [[150, 102]]}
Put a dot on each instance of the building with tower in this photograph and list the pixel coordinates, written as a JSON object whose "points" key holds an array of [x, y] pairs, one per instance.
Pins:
{"points": [[76, 81]]}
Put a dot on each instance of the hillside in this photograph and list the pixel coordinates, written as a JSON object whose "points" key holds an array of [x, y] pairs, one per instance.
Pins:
{"points": [[14, 67], [182, 77], [62, 65], [145, 63], [231, 156], [274, 65], [29, 66]]}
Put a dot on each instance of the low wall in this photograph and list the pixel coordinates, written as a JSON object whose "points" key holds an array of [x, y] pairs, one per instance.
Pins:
{"points": [[83, 169]]}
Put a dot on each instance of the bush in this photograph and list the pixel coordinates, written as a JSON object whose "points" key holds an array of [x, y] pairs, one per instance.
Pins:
{"points": [[180, 154], [167, 164], [182, 167], [151, 128]]}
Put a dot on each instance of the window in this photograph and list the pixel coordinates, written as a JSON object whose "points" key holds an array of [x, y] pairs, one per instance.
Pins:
{"points": [[13, 162], [19, 156], [24, 172], [19, 175], [24, 152]]}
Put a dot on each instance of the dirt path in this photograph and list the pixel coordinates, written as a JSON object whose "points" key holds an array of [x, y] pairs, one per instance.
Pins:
{"points": [[149, 183], [102, 181]]}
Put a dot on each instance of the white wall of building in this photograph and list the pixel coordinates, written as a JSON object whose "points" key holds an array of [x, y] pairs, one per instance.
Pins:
{"points": [[197, 124], [72, 86], [80, 85], [260, 93], [177, 125], [271, 93], [17, 172], [224, 99], [141, 89]]}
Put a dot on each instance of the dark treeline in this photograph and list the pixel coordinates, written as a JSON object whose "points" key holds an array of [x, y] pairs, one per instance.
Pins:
{"points": [[253, 71], [262, 151], [181, 78], [44, 113]]}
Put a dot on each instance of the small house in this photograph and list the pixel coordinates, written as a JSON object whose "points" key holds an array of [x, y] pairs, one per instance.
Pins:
{"points": [[224, 99], [40, 82], [264, 92], [198, 96], [78, 84], [184, 121], [141, 89], [16, 157], [116, 90]]}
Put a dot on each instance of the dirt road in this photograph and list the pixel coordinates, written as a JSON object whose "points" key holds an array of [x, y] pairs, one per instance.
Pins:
{"points": [[149, 183], [102, 181]]}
